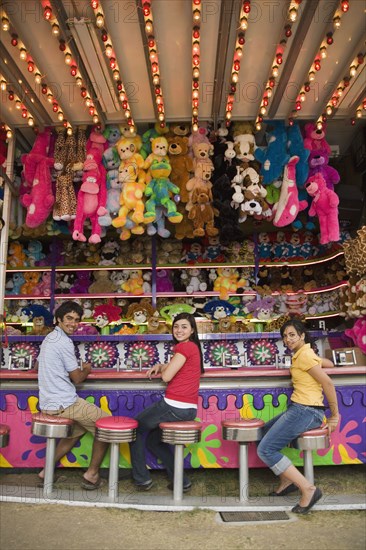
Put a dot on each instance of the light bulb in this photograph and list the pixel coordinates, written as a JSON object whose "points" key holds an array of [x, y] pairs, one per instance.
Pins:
{"points": [[18, 104], [95, 119], [243, 23], [9, 134], [328, 110], [99, 20], [235, 77], [161, 116], [359, 113], [269, 91], [258, 126], [337, 21], [38, 78], [69, 131], [148, 27], [323, 52], [311, 76], [156, 79], [340, 91], [127, 113], [60, 116], [195, 127], [108, 50], [30, 121], [3, 85], [23, 54], [196, 16], [275, 71], [353, 70], [263, 110], [5, 25], [319, 125], [79, 81], [196, 72], [116, 74], [68, 58], [195, 94], [292, 14], [55, 29], [302, 96], [228, 115], [195, 112]]}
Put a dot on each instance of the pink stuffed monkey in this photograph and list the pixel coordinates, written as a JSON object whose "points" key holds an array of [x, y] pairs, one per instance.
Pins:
{"points": [[39, 197], [325, 206], [91, 198]]}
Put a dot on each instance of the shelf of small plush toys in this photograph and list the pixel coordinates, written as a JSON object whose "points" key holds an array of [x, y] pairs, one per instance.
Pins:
{"points": [[257, 286]]}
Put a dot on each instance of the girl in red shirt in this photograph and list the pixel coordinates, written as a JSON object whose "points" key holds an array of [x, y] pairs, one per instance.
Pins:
{"points": [[182, 375]]}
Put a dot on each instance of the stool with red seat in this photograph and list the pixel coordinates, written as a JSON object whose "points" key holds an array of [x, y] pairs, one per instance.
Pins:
{"points": [[243, 431], [115, 430], [180, 434], [51, 427], [4, 435], [308, 442]]}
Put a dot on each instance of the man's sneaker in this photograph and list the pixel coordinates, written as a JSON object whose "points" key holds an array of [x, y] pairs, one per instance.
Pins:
{"points": [[186, 487], [144, 486]]}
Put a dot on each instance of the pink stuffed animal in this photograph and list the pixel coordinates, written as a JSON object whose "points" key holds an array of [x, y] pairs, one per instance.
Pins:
{"points": [[325, 206], [315, 139], [358, 333], [92, 197], [37, 173], [288, 205], [43, 288]]}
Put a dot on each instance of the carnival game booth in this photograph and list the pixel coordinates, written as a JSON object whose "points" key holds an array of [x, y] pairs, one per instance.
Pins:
{"points": [[141, 204]]}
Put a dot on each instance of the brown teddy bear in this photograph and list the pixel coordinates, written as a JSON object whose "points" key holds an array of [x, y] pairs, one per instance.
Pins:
{"points": [[202, 212], [181, 163], [102, 283]]}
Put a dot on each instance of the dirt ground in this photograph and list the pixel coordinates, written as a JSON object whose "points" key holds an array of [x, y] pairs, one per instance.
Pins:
{"points": [[59, 527]]}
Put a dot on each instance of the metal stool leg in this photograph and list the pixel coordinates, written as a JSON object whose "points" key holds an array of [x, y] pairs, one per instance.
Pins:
{"points": [[308, 466], [49, 467], [243, 472], [178, 472], [113, 472]]}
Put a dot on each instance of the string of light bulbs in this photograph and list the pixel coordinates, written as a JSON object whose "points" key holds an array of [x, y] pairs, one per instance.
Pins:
{"points": [[154, 60], [112, 59], [341, 89], [292, 15], [238, 54], [25, 56], [19, 105], [49, 16], [316, 65], [196, 35], [360, 111]]}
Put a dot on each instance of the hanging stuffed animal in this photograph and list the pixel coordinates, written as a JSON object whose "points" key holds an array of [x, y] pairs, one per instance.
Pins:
{"points": [[39, 197], [288, 206], [325, 206], [91, 198]]}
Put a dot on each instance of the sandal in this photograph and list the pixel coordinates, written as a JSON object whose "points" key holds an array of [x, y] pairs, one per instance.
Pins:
{"points": [[89, 486]]}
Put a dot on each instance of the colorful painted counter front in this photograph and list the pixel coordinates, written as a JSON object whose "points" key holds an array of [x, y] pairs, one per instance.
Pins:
{"points": [[224, 394]]}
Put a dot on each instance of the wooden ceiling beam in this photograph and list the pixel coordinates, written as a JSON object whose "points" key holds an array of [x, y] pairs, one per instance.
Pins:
{"points": [[62, 18], [221, 56], [13, 75], [298, 40]]}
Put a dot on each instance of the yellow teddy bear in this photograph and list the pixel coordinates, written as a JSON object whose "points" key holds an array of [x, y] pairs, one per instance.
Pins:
{"points": [[159, 147], [131, 212], [228, 282], [128, 153]]}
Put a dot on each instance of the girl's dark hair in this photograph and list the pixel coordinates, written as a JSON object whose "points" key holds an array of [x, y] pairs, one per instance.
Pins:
{"points": [[194, 336], [68, 307], [299, 327]]}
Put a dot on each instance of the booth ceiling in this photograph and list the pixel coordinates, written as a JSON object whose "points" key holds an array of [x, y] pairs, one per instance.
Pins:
{"points": [[113, 61]]}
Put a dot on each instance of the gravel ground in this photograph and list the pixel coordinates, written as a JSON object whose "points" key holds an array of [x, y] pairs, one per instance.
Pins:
{"points": [[59, 527]]}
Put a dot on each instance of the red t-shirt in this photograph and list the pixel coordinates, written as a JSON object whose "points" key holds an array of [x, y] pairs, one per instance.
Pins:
{"points": [[185, 384]]}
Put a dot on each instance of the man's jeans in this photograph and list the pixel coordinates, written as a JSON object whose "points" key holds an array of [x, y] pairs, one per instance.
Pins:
{"points": [[149, 421], [283, 429]]}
